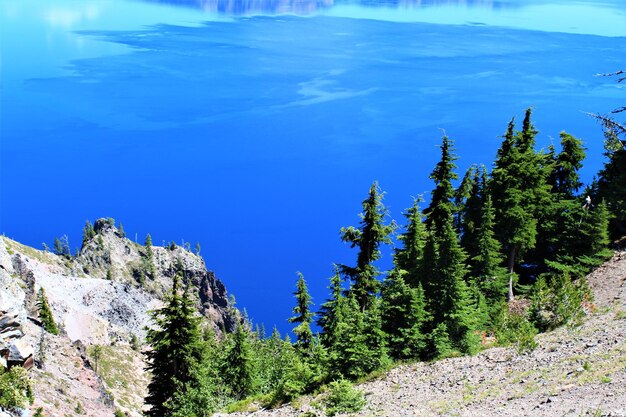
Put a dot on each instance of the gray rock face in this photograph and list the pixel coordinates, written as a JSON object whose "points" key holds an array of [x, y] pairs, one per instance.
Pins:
{"points": [[110, 254]]}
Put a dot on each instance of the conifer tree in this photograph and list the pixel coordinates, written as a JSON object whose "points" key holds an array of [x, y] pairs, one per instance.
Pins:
{"points": [[462, 194], [175, 350], [358, 348], [490, 277], [471, 212], [373, 232], [329, 315], [120, 230], [443, 268], [149, 267], [62, 247], [238, 367], [403, 313], [443, 193], [303, 316], [446, 292], [410, 256], [568, 162], [88, 233], [519, 191], [611, 186], [45, 313]]}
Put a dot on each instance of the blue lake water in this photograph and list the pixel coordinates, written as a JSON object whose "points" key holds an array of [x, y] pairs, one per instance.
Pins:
{"points": [[257, 127]]}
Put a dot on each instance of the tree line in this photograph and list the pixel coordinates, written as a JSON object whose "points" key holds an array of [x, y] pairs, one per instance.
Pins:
{"points": [[492, 260]]}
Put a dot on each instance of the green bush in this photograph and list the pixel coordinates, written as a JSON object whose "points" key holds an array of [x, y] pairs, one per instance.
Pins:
{"points": [[343, 398], [15, 390], [556, 300], [514, 328]]}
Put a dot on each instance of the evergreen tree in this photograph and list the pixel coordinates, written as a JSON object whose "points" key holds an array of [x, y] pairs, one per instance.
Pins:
{"points": [[238, 367], [519, 191], [490, 277], [447, 294], [462, 194], [88, 233], [471, 213], [358, 348], [403, 313], [120, 230], [303, 316], [62, 247], [410, 256], [148, 261], [443, 175], [611, 185], [175, 350], [373, 232], [568, 162], [329, 315], [45, 313]]}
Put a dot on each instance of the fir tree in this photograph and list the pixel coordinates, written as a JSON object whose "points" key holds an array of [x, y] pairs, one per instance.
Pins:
{"points": [[148, 261], [611, 185], [568, 163], [373, 232], [175, 349], [329, 315], [120, 230], [88, 233], [45, 313], [462, 194], [441, 197], [303, 316], [490, 277], [358, 348], [403, 313], [238, 367], [410, 256], [62, 247], [519, 191], [447, 293], [471, 213]]}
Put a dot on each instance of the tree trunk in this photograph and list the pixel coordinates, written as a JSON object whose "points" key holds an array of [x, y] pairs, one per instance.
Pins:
{"points": [[511, 265]]}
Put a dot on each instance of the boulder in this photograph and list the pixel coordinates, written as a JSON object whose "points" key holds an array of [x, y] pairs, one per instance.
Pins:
{"points": [[20, 351]]}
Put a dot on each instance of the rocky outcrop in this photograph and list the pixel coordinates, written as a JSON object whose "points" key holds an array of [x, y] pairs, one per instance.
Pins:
{"points": [[100, 297], [111, 255], [14, 351]]}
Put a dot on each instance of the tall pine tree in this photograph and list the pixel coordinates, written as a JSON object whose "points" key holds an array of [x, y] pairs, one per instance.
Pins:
{"points": [[303, 317], [175, 349], [409, 257], [441, 197], [372, 232], [519, 191], [403, 313]]}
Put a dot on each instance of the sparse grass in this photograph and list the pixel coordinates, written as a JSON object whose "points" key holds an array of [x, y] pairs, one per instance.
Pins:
{"points": [[243, 406], [620, 314], [116, 368], [13, 247]]}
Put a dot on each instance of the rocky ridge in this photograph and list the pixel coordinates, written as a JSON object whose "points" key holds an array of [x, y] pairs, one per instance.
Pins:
{"points": [[97, 300]]}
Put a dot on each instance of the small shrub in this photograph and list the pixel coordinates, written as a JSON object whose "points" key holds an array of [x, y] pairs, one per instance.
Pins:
{"points": [[15, 390], [119, 413], [79, 408], [513, 327], [343, 398], [134, 343], [39, 412]]}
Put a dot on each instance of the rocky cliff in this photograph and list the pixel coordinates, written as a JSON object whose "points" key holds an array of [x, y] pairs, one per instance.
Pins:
{"points": [[101, 297]]}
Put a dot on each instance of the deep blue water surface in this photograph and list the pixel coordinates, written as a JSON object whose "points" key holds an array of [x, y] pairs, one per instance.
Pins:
{"points": [[257, 127]]}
